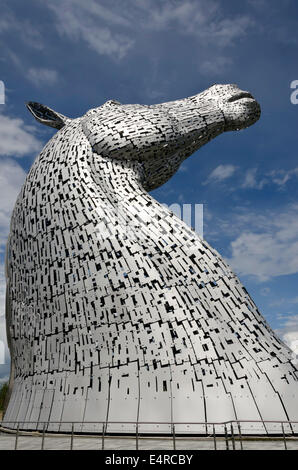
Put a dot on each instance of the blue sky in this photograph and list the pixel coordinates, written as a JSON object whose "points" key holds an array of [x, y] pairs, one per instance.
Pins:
{"points": [[73, 55]]}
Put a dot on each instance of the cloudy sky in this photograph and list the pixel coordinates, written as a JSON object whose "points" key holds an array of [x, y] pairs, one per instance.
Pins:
{"points": [[73, 55]]}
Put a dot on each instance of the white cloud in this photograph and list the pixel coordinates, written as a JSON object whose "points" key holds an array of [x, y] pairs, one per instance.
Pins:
{"points": [[39, 76], [291, 339], [259, 4], [90, 6], [42, 76], [104, 42], [268, 247], [12, 177], [281, 177], [188, 16], [3, 342], [4, 379], [289, 334], [183, 168], [26, 31], [4, 358], [110, 29], [4, 24], [220, 173], [278, 177], [284, 301], [2, 295], [263, 256], [201, 19], [265, 291], [250, 180], [82, 22], [16, 138], [215, 66], [4, 354], [226, 31], [253, 180]]}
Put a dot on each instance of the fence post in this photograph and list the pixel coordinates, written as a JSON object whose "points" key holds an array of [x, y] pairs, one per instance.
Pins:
{"points": [[17, 437], [43, 436], [283, 433], [71, 439], [174, 437], [226, 437], [137, 437], [232, 436], [103, 437], [214, 438], [240, 436]]}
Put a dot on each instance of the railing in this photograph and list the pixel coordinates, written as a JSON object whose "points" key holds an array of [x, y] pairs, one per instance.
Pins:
{"points": [[228, 435]]}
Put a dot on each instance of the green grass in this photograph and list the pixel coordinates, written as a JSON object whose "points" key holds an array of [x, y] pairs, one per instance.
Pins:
{"points": [[3, 391]]}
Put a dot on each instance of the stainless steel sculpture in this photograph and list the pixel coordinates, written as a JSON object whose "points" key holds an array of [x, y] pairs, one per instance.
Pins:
{"points": [[117, 310]]}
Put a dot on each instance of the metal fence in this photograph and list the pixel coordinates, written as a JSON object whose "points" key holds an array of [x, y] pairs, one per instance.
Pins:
{"points": [[231, 435]]}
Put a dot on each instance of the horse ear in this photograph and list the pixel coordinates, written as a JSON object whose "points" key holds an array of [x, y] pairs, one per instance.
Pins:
{"points": [[46, 115]]}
